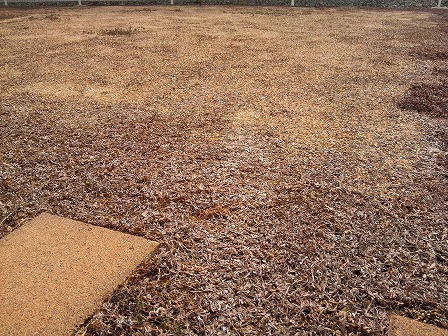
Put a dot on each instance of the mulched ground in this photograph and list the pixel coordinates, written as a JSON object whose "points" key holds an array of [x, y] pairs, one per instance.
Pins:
{"points": [[291, 162]]}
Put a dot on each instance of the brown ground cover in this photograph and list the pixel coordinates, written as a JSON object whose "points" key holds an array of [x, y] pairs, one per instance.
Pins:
{"points": [[291, 162]]}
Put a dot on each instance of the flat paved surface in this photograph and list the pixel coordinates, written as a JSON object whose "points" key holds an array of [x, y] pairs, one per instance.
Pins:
{"points": [[54, 272], [402, 326]]}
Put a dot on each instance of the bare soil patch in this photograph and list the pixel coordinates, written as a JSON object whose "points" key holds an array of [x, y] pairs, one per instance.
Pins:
{"points": [[270, 151]]}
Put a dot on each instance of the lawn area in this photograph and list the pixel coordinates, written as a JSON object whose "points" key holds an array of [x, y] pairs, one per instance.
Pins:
{"points": [[292, 162]]}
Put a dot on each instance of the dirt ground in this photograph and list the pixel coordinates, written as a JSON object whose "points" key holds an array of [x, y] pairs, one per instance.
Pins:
{"points": [[290, 161]]}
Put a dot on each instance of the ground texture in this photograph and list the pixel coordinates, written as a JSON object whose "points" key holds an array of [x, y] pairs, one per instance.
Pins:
{"points": [[403, 326], [291, 162], [55, 272]]}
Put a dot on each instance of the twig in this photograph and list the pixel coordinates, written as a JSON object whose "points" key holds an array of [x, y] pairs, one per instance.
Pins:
{"points": [[7, 216]]}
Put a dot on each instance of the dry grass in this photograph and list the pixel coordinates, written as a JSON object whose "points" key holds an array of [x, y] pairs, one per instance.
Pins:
{"points": [[277, 154], [119, 31]]}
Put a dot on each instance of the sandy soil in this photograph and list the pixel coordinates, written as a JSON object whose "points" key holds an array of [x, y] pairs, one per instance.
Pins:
{"points": [[292, 162]]}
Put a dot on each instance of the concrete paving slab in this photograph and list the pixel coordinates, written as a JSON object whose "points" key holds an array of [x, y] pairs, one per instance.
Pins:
{"points": [[54, 273], [402, 326]]}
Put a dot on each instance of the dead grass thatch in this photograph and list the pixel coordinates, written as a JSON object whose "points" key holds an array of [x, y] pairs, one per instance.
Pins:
{"points": [[265, 149]]}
